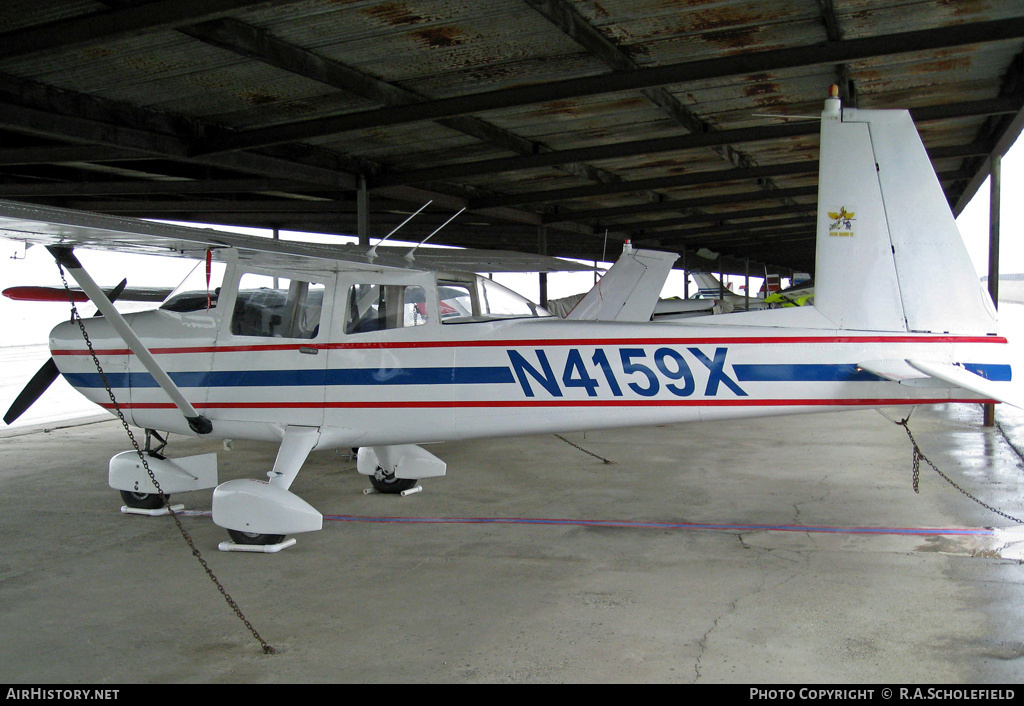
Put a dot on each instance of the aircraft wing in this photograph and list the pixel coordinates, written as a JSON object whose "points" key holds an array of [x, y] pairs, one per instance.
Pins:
{"points": [[911, 372], [47, 225]]}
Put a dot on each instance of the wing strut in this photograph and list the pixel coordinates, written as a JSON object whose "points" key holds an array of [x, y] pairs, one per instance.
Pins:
{"points": [[66, 258]]}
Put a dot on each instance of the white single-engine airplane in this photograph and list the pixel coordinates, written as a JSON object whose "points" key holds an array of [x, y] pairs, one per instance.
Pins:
{"points": [[320, 347]]}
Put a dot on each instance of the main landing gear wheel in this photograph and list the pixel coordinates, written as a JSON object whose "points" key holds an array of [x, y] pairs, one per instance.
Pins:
{"points": [[142, 501], [387, 483], [239, 537]]}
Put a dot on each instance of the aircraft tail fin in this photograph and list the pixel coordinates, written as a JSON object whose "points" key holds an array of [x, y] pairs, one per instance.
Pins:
{"points": [[889, 255], [709, 286], [629, 290]]}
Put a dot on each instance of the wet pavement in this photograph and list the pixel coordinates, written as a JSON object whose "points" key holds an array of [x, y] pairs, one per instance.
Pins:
{"points": [[785, 550]]}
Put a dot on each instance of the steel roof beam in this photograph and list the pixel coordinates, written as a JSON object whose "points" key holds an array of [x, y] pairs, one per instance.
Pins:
{"points": [[693, 179], [1009, 104], [601, 152], [1002, 134], [568, 20], [252, 42], [744, 237], [619, 81], [114, 24], [723, 228], [259, 45], [148, 187], [666, 182], [60, 154], [64, 115], [720, 217], [678, 205]]}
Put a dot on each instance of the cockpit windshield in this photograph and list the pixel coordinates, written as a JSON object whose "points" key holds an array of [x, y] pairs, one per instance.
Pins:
{"points": [[198, 291]]}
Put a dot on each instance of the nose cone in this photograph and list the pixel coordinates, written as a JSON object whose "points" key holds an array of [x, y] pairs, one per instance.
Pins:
{"points": [[75, 362], [66, 338]]}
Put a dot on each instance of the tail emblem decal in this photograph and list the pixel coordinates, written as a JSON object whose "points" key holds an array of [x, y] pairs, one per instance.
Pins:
{"points": [[842, 222]]}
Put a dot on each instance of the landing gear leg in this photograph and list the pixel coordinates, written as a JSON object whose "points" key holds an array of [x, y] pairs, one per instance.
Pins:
{"points": [[258, 514]]}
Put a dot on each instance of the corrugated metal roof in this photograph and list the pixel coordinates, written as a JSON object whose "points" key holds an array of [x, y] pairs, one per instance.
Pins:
{"points": [[676, 124]]}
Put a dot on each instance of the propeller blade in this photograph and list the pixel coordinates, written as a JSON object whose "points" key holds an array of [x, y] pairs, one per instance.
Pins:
{"points": [[114, 293], [35, 387], [45, 376]]}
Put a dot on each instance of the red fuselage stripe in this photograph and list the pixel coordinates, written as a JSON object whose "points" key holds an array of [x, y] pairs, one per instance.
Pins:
{"points": [[575, 342], [434, 404]]}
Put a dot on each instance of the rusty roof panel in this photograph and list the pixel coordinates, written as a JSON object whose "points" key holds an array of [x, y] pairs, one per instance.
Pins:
{"points": [[171, 72], [152, 79], [671, 32], [859, 18], [440, 47]]}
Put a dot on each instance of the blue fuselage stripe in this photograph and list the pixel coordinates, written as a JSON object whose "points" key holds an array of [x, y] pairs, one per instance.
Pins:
{"points": [[803, 373], [306, 378], [493, 375], [842, 373]]}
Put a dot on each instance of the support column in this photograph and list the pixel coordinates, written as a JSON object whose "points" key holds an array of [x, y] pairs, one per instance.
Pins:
{"points": [[277, 236], [363, 212], [746, 284], [542, 248], [995, 188], [686, 279]]}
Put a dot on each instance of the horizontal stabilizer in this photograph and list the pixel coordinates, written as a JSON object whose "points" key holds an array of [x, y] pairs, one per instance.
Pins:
{"points": [[921, 373], [960, 377], [895, 370]]}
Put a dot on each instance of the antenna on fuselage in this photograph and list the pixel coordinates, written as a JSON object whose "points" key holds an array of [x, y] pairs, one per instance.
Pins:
{"points": [[373, 251], [409, 255]]}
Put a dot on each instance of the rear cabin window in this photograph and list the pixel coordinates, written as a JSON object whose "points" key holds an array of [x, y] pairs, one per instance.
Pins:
{"points": [[276, 307], [377, 307], [482, 299]]}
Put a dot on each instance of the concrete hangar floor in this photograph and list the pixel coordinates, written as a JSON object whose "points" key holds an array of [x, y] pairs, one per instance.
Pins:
{"points": [[789, 550]]}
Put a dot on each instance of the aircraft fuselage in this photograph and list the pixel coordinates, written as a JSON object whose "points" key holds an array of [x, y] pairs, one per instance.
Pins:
{"points": [[444, 371]]}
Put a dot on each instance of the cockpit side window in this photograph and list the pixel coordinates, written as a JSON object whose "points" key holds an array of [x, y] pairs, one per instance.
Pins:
{"points": [[377, 307], [499, 301], [276, 307], [456, 299], [482, 299]]}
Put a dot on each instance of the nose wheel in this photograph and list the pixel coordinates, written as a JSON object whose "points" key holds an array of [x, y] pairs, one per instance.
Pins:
{"points": [[254, 538], [387, 482], [142, 501]]}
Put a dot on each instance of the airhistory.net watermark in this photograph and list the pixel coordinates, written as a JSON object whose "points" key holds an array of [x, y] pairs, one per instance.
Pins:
{"points": [[40, 694]]}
